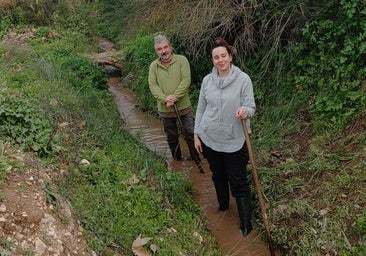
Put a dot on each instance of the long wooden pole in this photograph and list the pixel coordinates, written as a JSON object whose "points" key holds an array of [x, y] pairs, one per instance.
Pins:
{"points": [[258, 188]]}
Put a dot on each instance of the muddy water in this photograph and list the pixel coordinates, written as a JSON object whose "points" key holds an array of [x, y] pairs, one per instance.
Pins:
{"points": [[224, 226]]}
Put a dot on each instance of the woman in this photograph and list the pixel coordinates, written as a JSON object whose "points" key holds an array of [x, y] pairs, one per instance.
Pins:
{"points": [[226, 97]]}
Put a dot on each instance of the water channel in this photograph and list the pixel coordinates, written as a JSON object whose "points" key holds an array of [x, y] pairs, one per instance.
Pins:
{"points": [[224, 225]]}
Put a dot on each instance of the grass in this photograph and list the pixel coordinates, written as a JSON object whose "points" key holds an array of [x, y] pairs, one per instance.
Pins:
{"points": [[312, 177], [126, 191]]}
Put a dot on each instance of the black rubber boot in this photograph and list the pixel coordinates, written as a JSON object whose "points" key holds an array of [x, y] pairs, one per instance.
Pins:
{"points": [[223, 195], [245, 212]]}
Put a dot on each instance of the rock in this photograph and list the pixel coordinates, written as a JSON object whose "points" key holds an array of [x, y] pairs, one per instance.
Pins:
{"points": [[2, 208], [40, 246]]}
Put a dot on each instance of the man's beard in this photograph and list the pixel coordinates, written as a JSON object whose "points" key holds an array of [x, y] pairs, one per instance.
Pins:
{"points": [[165, 57]]}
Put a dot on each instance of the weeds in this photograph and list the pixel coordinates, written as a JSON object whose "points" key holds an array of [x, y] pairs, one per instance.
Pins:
{"points": [[308, 71], [6, 164], [120, 190], [25, 126]]}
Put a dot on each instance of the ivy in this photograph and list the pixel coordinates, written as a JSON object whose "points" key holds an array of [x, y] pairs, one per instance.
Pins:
{"points": [[25, 126], [333, 63]]}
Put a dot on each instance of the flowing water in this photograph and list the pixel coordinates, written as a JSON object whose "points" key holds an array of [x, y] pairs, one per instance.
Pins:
{"points": [[224, 225]]}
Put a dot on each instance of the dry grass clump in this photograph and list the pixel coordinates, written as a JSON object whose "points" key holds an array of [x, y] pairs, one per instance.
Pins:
{"points": [[247, 25]]}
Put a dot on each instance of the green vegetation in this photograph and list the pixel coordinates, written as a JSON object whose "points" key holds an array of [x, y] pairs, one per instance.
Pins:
{"points": [[55, 103], [307, 62]]}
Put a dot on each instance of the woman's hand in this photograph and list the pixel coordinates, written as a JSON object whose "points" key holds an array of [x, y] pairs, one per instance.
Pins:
{"points": [[197, 143], [241, 113]]}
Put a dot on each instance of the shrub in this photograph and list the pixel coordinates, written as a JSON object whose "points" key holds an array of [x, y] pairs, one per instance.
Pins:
{"points": [[80, 72], [25, 126], [139, 53], [333, 63]]}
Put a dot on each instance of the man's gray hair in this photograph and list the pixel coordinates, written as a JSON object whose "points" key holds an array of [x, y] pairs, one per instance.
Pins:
{"points": [[159, 39]]}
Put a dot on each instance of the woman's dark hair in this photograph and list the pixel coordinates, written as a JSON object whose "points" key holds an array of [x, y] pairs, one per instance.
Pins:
{"points": [[221, 42]]}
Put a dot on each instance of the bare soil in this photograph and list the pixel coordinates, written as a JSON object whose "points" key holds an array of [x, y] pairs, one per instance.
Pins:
{"points": [[34, 219]]}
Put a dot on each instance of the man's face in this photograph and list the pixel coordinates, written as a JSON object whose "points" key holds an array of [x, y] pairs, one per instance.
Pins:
{"points": [[164, 51]]}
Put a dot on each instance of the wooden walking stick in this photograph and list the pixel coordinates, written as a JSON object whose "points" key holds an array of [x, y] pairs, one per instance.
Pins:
{"points": [[258, 187], [191, 150]]}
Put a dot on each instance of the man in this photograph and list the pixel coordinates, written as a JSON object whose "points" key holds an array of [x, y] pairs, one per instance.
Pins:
{"points": [[169, 81]]}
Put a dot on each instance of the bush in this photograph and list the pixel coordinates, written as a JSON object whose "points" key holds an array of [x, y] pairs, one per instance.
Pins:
{"points": [[333, 62], [25, 126], [80, 72], [139, 53]]}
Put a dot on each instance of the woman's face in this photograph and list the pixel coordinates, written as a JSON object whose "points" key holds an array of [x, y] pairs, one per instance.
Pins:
{"points": [[221, 59]]}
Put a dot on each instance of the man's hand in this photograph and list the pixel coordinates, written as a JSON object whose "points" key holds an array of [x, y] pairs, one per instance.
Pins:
{"points": [[170, 100]]}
